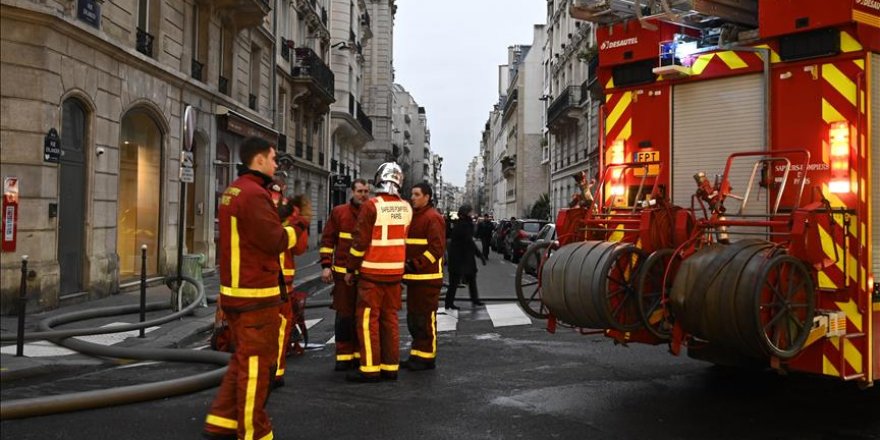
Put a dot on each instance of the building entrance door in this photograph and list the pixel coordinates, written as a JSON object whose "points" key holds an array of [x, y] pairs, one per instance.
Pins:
{"points": [[71, 197]]}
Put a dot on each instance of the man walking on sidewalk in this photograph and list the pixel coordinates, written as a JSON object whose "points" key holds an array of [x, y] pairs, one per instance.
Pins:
{"points": [[425, 245], [335, 246], [251, 239], [378, 252]]}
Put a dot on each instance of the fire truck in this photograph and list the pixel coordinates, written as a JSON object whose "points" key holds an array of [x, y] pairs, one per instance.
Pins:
{"points": [[736, 213]]}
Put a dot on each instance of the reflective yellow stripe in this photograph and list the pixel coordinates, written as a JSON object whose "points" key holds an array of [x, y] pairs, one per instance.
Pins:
{"points": [[280, 371], [339, 269], [345, 235], [243, 292], [389, 242], [425, 276], [222, 422], [433, 353], [291, 236], [373, 369], [374, 265], [356, 252], [386, 367], [325, 250], [251, 396], [344, 357], [423, 354], [365, 339], [430, 257], [357, 355], [234, 251], [288, 272], [268, 436], [416, 241]]}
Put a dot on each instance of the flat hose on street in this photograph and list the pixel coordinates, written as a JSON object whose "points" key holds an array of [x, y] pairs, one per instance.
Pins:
{"points": [[46, 405]]}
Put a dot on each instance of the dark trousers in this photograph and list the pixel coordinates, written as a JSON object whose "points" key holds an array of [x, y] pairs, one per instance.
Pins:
{"points": [[485, 248], [454, 280]]}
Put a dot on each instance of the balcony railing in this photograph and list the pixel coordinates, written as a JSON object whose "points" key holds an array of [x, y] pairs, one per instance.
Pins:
{"points": [[196, 69], [223, 85], [309, 65], [365, 121], [569, 98], [247, 13], [298, 149], [144, 42]]}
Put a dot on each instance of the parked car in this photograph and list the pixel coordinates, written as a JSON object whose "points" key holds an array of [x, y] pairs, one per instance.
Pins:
{"points": [[497, 240], [520, 236]]}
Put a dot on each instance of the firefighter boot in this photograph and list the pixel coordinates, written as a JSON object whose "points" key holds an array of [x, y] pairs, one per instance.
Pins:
{"points": [[357, 376]]}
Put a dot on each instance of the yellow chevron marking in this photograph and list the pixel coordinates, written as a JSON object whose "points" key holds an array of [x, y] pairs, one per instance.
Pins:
{"points": [[825, 281], [774, 57], [828, 246], [825, 149], [835, 201], [829, 113], [617, 235], [852, 355], [860, 63], [732, 60], [627, 130], [828, 367], [848, 43], [701, 63], [852, 312], [610, 83], [840, 82], [864, 278], [864, 227], [615, 114], [864, 17]]}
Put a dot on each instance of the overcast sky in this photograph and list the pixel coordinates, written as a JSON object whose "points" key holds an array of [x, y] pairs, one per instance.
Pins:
{"points": [[446, 54]]}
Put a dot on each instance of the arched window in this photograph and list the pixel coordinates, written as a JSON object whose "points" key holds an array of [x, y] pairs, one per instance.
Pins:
{"points": [[140, 193]]}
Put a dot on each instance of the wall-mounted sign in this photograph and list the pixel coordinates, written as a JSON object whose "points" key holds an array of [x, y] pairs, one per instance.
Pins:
{"points": [[341, 182], [9, 226], [52, 147], [89, 11]]}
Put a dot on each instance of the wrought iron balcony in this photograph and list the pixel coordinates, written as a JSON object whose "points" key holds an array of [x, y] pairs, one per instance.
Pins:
{"points": [[309, 69], [144, 42], [567, 100], [196, 69], [365, 121], [243, 13]]}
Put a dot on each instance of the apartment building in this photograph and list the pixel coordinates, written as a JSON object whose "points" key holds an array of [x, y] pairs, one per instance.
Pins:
{"points": [[410, 138], [93, 96], [572, 137], [378, 80]]}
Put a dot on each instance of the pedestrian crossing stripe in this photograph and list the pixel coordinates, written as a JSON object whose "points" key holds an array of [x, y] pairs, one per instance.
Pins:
{"points": [[48, 349]]}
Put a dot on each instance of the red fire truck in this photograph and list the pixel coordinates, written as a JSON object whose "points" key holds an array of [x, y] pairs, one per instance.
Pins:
{"points": [[737, 209]]}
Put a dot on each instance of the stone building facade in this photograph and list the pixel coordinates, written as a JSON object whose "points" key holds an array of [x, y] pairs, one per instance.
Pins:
{"points": [[410, 138], [378, 80], [113, 78]]}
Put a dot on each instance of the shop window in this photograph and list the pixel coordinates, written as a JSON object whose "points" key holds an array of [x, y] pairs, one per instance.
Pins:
{"points": [[140, 189]]}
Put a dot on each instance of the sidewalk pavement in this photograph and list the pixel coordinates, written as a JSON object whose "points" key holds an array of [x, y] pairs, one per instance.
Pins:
{"points": [[42, 357]]}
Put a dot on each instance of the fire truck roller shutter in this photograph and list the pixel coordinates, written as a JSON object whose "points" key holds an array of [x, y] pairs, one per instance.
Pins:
{"points": [[875, 165], [710, 120]]}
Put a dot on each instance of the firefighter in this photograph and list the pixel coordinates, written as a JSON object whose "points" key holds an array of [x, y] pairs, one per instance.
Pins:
{"points": [[251, 239], [377, 256], [300, 209], [335, 245], [425, 245]]}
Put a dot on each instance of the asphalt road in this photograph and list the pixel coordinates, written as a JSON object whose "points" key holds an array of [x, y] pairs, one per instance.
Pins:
{"points": [[493, 381]]}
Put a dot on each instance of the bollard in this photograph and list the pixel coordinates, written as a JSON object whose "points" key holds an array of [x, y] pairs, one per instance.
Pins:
{"points": [[143, 287], [22, 306]]}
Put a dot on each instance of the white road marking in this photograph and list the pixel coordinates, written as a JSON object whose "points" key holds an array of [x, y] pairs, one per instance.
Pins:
{"points": [[48, 349], [507, 314], [447, 320]]}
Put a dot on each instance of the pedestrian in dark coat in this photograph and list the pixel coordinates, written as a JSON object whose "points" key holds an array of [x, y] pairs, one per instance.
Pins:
{"points": [[462, 263]]}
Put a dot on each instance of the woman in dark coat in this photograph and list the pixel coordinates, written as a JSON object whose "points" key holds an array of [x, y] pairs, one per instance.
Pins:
{"points": [[462, 253]]}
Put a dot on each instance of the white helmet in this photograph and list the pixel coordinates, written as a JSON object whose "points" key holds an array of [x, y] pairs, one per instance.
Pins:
{"points": [[389, 172]]}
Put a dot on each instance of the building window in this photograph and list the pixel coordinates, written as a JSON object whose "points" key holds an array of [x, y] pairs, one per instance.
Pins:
{"points": [[226, 43], [256, 61], [201, 26], [140, 189], [147, 25]]}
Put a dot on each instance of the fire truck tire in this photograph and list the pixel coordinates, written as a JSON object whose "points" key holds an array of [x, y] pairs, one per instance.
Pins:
{"points": [[783, 305], [528, 279], [617, 296], [652, 292]]}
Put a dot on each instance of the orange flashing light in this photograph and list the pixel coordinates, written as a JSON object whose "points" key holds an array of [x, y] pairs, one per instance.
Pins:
{"points": [[838, 141], [616, 153]]}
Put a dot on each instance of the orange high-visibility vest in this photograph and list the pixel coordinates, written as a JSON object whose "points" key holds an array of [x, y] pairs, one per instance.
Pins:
{"points": [[387, 252]]}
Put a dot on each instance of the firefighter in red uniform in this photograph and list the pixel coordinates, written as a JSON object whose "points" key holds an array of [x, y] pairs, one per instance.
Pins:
{"points": [[300, 209], [335, 245], [378, 254], [251, 238], [425, 245]]}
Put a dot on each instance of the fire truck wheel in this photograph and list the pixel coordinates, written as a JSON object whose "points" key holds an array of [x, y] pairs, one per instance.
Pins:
{"points": [[784, 306], [654, 281], [619, 304], [528, 279]]}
